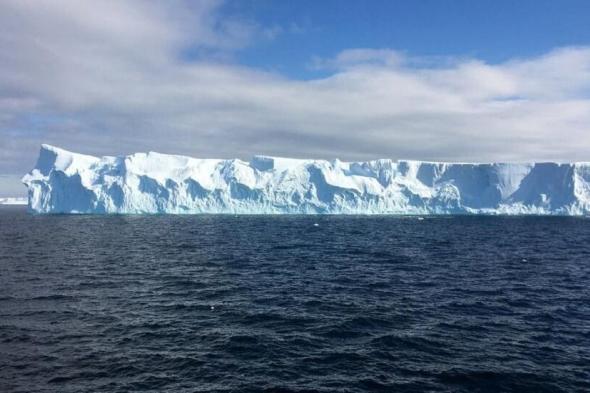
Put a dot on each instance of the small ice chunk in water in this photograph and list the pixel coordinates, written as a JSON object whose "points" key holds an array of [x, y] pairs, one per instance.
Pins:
{"points": [[315, 224], [212, 308]]}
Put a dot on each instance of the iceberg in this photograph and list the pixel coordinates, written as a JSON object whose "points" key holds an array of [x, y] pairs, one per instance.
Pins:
{"points": [[13, 201], [66, 182]]}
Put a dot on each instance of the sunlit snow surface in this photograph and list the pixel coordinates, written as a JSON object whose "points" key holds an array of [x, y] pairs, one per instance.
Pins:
{"points": [[65, 182]]}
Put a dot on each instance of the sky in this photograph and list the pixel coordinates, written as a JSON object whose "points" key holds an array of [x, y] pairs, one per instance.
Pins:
{"points": [[472, 81]]}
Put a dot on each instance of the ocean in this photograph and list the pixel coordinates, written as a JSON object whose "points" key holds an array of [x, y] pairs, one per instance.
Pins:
{"points": [[222, 303]]}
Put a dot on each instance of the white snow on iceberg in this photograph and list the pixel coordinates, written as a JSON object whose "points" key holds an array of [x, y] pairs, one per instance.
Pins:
{"points": [[65, 182]]}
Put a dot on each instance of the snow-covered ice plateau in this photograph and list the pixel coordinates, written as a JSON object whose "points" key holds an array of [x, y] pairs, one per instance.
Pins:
{"points": [[66, 182]]}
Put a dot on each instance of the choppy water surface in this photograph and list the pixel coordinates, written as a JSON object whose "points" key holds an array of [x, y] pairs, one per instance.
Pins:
{"points": [[262, 303]]}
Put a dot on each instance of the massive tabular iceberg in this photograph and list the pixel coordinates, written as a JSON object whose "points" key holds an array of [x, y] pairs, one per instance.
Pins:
{"points": [[65, 182]]}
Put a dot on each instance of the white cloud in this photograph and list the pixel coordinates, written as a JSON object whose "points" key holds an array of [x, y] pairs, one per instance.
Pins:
{"points": [[109, 77], [351, 58]]}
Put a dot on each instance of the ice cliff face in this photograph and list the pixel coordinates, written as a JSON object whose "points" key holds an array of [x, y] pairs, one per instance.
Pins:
{"points": [[65, 182]]}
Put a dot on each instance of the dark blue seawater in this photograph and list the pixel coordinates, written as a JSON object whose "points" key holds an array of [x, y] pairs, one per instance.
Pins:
{"points": [[263, 303]]}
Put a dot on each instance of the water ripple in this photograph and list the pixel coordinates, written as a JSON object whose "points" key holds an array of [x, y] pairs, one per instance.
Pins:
{"points": [[276, 304]]}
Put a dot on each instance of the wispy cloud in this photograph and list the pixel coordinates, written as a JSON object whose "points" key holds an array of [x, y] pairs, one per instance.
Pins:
{"points": [[351, 58], [110, 77]]}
